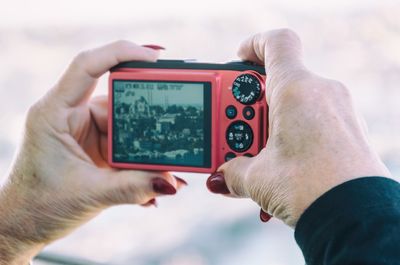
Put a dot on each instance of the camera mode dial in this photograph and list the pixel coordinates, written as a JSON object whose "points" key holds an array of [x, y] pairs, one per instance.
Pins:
{"points": [[246, 89]]}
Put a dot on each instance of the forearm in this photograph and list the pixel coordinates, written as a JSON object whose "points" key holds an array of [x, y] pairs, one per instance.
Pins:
{"points": [[14, 252], [354, 223], [17, 243]]}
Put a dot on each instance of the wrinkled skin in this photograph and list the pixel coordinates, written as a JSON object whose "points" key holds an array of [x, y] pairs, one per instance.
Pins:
{"points": [[316, 138], [60, 178]]}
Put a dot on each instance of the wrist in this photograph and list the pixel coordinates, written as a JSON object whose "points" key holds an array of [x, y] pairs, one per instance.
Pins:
{"points": [[17, 227], [14, 252]]}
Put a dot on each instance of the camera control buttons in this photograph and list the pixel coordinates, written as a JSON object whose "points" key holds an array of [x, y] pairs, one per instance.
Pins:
{"points": [[239, 136], [248, 113], [229, 156], [231, 112], [248, 155], [246, 89]]}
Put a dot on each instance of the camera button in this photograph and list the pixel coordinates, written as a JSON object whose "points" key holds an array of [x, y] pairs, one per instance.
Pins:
{"points": [[246, 89], [248, 113], [248, 155], [231, 112], [239, 136], [229, 156]]}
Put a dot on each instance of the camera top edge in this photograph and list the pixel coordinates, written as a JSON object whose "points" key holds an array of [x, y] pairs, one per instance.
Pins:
{"points": [[182, 64]]}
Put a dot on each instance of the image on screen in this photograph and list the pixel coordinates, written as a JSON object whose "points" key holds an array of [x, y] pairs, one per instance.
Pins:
{"points": [[164, 123]]}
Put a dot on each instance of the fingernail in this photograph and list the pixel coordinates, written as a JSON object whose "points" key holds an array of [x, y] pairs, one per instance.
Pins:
{"points": [[162, 186], [151, 202], [216, 183], [181, 181], [265, 217], [153, 46]]}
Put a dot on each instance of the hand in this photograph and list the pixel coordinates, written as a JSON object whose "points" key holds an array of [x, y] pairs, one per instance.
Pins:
{"points": [[60, 178], [316, 139]]}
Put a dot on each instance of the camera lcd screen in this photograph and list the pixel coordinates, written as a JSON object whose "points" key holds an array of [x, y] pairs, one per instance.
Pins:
{"points": [[162, 123]]}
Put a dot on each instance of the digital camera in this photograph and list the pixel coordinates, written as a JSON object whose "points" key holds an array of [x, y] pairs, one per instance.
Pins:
{"points": [[174, 115]]}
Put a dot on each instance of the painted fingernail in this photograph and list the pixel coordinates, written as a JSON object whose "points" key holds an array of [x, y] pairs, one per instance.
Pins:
{"points": [[153, 46], [216, 183], [265, 217], [162, 186], [181, 180], [151, 202]]}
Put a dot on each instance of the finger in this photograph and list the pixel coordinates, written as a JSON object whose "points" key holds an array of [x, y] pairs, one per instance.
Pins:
{"points": [[281, 53], [104, 146], [264, 216], [79, 80], [230, 178], [99, 112], [134, 187], [180, 181], [151, 202], [273, 48], [98, 107]]}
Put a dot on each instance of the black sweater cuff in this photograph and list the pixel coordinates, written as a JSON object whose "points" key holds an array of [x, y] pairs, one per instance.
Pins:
{"points": [[335, 224]]}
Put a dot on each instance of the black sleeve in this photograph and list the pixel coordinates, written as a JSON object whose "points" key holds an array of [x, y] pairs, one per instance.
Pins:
{"points": [[357, 223]]}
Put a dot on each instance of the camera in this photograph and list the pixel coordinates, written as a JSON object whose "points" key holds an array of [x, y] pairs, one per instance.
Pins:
{"points": [[176, 115]]}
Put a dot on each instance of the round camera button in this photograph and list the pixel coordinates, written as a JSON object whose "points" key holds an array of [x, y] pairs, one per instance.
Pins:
{"points": [[229, 156], [231, 112], [248, 113]]}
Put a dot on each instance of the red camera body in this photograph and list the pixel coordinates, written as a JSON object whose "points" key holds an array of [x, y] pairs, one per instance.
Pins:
{"points": [[185, 116]]}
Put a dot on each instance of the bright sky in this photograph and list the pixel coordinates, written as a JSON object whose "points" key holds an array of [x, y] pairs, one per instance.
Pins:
{"points": [[26, 13]]}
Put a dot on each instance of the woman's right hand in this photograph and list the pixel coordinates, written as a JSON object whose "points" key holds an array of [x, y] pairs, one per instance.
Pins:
{"points": [[316, 138]]}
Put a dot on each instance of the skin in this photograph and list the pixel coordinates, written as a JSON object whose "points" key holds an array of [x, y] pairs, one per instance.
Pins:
{"points": [[59, 179], [316, 138]]}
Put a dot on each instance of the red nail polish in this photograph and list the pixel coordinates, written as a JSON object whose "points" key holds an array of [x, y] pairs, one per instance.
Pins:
{"points": [[265, 217], [162, 186], [181, 180], [216, 183], [154, 47], [151, 202]]}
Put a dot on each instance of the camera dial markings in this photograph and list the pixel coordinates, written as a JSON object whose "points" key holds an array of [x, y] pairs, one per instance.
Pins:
{"points": [[239, 136], [246, 89]]}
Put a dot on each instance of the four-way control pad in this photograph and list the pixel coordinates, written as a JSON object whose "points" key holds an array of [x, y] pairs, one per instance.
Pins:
{"points": [[239, 136]]}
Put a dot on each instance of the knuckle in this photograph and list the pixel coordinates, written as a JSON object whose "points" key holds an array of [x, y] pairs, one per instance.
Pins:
{"points": [[287, 34], [122, 43], [340, 88], [34, 114], [333, 91], [44, 114], [278, 38], [81, 58]]}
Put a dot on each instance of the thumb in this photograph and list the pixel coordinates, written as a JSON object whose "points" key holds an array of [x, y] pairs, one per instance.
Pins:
{"points": [[272, 48], [231, 178], [234, 178], [79, 80], [279, 50], [134, 187]]}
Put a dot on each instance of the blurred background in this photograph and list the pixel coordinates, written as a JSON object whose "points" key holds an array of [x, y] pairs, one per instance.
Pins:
{"points": [[357, 42]]}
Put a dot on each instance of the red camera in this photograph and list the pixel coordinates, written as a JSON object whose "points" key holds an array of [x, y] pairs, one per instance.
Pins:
{"points": [[185, 116]]}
